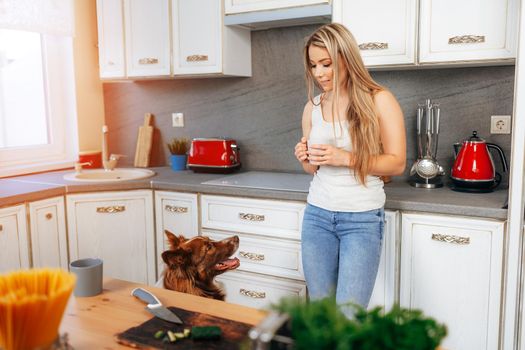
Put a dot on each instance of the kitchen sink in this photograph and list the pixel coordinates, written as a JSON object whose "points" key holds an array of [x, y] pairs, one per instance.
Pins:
{"points": [[101, 175]]}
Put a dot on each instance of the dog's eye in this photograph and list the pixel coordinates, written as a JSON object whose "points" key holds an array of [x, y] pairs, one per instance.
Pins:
{"points": [[209, 246]]}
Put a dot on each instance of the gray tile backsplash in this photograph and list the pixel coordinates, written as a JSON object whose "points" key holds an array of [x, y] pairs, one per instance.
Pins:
{"points": [[263, 113]]}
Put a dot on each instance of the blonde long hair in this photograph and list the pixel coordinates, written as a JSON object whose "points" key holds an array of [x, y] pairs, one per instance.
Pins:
{"points": [[362, 116]]}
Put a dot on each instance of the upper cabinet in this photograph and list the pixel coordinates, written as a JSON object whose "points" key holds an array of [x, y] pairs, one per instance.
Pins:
{"points": [[412, 32], [392, 37], [467, 30], [143, 39], [146, 26], [203, 45]]}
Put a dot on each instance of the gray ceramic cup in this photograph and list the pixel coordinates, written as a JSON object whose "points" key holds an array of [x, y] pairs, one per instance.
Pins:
{"points": [[89, 277]]}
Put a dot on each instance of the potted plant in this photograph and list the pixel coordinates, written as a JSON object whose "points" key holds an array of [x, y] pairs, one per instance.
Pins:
{"points": [[178, 149], [320, 324]]}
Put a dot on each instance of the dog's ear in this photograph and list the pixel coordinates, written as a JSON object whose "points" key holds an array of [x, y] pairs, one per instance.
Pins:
{"points": [[178, 256], [173, 240]]}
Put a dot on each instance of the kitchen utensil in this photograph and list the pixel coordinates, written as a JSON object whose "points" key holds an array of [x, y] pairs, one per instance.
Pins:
{"points": [[155, 306], [474, 167], [426, 170], [214, 155], [144, 141]]}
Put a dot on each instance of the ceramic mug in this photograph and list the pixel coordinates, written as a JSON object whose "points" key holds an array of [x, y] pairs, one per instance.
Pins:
{"points": [[89, 276], [319, 141]]}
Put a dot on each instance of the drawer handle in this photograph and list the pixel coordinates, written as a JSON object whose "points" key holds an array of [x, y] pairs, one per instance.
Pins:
{"points": [[175, 209], [466, 39], [149, 60], [252, 256], [49, 216], [373, 46], [111, 209], [450, 239], [251, 217], [252, 294], [196, 58]]}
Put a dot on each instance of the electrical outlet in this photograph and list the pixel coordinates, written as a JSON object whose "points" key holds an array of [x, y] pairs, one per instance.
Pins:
{"points": [[177, 120], [500, 124]]}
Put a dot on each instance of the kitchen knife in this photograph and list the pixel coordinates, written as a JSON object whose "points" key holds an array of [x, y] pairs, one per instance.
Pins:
{"points": [[155, 306]]}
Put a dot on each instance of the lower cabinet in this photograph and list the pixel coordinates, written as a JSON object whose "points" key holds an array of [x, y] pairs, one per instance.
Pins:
{"points": [[48, 233], [178, 213], [14, 245], [116, 227], [384, 293], [451, 269]]}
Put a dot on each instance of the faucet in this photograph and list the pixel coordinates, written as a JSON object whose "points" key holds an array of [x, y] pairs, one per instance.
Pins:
{"points": [[109, 163]]}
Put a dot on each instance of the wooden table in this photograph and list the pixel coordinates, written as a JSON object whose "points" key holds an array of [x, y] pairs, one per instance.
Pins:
{"points": [[92, 322]]}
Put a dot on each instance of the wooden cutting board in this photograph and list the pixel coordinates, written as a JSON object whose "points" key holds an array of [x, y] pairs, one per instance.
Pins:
{"points": [[233, 333], [144, 141]]}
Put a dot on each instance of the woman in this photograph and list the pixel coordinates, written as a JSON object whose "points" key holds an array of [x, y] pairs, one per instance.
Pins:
{"points": [[357, 136]]}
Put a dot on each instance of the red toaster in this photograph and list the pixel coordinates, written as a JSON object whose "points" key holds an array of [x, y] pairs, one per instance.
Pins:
{"points": [[214, 155]]}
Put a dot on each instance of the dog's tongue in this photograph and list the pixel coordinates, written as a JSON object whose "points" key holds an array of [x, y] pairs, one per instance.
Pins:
{"points": [[228, 264]]}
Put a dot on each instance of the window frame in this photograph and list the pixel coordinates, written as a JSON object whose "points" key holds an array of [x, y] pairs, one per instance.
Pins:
{"points": [[60, 93]]}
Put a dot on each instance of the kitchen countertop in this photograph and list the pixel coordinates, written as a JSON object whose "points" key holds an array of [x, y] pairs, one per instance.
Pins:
{"points": [[400, 195]]}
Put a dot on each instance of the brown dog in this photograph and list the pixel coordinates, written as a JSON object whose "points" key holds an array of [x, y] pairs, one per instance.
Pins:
{"points": [[193, 263]]}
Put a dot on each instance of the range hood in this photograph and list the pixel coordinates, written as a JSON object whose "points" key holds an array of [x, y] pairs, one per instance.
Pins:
{"points": [[285, 17]]}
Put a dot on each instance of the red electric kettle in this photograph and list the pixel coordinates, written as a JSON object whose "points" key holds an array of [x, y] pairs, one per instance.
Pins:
{"points": [[473, 169]]}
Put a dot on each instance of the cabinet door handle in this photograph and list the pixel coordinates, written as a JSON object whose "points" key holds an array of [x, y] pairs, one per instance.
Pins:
{"points": [[251, 217], [111, 209], [252, 294], [466, 39], [373, 46], [111, 63], [196, 58], [252, 256], [148, 60], [450, 239], [49, 216], [175, 209], [1, 227]]}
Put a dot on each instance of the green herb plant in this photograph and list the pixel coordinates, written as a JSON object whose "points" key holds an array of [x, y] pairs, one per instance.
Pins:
{"points": [[320, 324], [178, 146]]}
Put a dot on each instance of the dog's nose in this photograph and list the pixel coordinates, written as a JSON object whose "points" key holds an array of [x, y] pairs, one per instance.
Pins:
{"points": [[235, 239]]}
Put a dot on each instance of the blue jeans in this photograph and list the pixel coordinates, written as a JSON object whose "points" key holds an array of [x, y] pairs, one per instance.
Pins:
{"points": [[341, 252]]}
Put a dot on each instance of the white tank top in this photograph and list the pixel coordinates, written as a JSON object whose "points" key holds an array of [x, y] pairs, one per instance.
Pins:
{"points": [[336, 188]]}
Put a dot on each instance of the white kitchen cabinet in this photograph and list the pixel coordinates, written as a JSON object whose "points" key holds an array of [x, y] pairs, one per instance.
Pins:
{"points": [[384, 293], [110, 23], [269, 247], [203, 45], [178, 213], [451, 270], [240, 6], [467, 30], [14, 245], [147, 37], [48, 233], [390, 33], [385, 30], [116, 227], [257, 290]]}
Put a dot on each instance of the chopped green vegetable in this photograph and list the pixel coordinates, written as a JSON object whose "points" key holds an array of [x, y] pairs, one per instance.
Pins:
{"points": [[159, 334], [205, 332], [166, 339], [187, 332], [179, 335], [172, 337]]}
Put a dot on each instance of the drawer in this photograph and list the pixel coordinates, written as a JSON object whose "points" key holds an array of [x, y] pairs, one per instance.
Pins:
{"points": [[266, 255], [257, 291], [266, 217]]}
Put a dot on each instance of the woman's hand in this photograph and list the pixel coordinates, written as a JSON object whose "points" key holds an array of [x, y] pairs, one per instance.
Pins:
{"points": [[328, 155], [300, 150]]}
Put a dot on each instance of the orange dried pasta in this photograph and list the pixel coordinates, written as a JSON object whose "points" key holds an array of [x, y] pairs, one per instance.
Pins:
{"points": [[32, 303]]}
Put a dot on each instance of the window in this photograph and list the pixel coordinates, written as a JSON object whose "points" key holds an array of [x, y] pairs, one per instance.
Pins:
{"points": [[37, 102]]}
